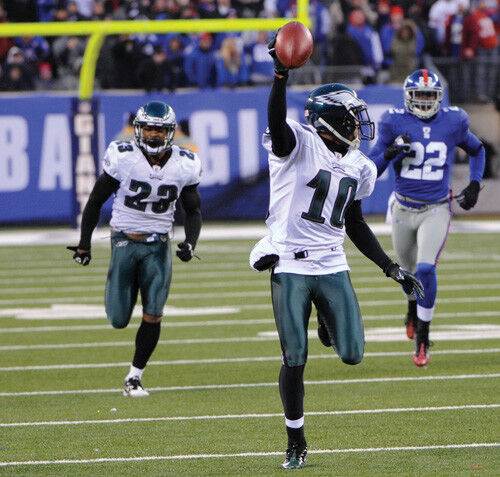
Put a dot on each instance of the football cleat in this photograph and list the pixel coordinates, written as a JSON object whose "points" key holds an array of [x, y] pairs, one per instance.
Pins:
{"points": [[295, 456], [421, 355], [133, 387], [323, 333]]}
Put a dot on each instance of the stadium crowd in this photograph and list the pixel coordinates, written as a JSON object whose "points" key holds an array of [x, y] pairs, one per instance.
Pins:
{"points": [[391, 36]]}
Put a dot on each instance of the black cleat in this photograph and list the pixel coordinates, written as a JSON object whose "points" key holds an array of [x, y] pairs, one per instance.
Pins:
{"points": [[295, 456], [422, 343], [323, 335]]}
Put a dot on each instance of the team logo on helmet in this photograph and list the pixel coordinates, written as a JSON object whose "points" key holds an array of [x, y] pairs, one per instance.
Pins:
{"points": [[155, 114], [336, 109], [423, 93]]}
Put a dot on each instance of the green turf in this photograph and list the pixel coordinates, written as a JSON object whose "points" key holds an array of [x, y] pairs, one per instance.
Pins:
{"points": [[38, 278]]}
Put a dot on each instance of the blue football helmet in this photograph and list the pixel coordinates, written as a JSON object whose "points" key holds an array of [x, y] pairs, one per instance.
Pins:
{"points": [[336, 109], [423, 93], [159, 114]]}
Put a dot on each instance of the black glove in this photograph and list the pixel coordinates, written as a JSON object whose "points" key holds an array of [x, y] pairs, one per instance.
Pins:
{"points": [[185, 252], [266, 262], [81, 258], [400, 144], [409, 282], [279, 67], [468, 197]]}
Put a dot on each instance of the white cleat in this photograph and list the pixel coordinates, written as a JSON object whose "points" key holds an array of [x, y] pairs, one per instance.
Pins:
{"points": [[133, 387]]}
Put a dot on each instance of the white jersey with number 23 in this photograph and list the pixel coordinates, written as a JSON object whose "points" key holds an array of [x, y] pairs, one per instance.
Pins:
{"points": [[145, 200]]}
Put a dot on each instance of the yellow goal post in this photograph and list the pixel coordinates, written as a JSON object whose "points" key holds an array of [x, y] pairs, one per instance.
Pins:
{"points": [[99, 30]]}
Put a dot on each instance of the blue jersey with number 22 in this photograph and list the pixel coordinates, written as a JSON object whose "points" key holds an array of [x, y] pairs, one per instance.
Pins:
{"points": [[424, 173]]}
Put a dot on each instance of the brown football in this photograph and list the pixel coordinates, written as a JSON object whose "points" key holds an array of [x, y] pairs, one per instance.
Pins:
{"points": [[294, 44]]}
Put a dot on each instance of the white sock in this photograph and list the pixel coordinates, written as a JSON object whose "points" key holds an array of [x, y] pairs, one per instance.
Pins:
{"points": [[425, 314], [296, 423], [134, 372]]}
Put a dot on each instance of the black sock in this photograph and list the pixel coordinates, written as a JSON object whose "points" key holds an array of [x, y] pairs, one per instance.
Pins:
{"points": [[412, 307], [295, 435], [291, 384], [145, 343]]}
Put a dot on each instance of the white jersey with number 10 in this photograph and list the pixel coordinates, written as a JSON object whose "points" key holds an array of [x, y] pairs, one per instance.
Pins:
{"points": [[311, 189]]}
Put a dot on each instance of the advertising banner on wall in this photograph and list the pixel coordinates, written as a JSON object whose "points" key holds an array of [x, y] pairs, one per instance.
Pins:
{"points": [[44, 143]]}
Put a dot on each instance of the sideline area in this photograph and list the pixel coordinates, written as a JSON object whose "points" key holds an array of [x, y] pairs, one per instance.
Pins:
{"points": [[219, 231]]}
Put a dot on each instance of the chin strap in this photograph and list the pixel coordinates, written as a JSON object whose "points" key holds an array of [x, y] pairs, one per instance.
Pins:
{"points": [[354, 144]]}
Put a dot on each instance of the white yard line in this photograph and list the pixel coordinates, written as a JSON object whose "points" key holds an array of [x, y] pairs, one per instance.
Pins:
{"points": [[251, 416], [234, 267], [248, 359], [83, 312], [241, 295], [248, 454], [236, 282], [261, 284], [257, 385]]}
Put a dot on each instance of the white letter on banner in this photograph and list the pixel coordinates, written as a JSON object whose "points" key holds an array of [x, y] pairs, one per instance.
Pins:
{"points": [[249, 142], [14, 161], [207, 125], [55, 161]]}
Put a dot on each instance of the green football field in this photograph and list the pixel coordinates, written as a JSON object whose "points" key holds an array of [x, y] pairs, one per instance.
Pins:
{"points": [[214, 407]]}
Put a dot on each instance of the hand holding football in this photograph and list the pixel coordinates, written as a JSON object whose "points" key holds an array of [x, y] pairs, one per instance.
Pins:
{"points": [[294, 44]]}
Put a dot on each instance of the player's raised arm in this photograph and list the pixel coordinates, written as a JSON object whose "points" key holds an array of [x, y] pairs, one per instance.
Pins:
{"points": [[103, 188], [282, 137], [367, 243], [477, 161], [191, 202]]}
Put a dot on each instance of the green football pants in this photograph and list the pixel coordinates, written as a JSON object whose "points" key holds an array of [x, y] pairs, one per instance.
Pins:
{"points": [[336, 302], [134, 266]]}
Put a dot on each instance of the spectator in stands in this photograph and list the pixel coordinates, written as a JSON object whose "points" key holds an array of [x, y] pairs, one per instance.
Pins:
{"points": [[481, 42], [46, 10], [155, 73], [261, 63], [387, 34], [126, 56], [86, 8], [182, 136], [68, 55], [439, 16], [248, 8], [369, 42], [45, 80], [320, 29], [224, 9], [403, 52], [384, 15], [458, 46], [19, 75], [199, 64], [231, 67], [35, 49], [175, 52]]}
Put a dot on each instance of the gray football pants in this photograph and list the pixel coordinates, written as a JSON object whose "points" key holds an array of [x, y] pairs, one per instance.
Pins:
{"points": [[419, 236]]}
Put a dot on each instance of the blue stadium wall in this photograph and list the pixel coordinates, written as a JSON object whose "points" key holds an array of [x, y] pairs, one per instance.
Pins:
{"points": [[36, 177]]}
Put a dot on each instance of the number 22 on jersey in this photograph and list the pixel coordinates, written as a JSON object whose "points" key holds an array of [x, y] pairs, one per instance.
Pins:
{"points": [[425, 162]]}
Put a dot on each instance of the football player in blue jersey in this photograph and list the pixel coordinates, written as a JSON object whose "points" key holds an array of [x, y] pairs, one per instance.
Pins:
{"points": [[419, 141]]}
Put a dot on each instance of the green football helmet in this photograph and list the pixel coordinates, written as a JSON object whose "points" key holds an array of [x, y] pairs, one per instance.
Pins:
{"points": [[159, 114], [336, 109]]}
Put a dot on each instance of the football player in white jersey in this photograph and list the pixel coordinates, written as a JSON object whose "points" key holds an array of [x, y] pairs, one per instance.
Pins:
{"points": [[147, 176], [317, 178]]}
